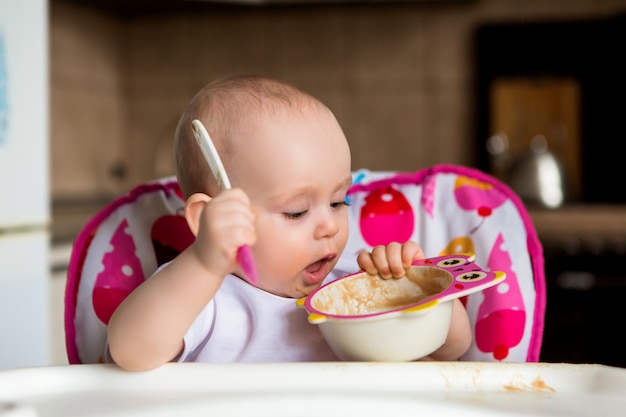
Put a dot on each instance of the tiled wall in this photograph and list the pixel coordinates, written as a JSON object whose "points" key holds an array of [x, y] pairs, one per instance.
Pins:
{"points": [[398, 76]]}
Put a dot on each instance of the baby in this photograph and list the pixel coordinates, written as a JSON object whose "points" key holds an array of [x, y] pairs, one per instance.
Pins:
{"points": [[289, 164]]}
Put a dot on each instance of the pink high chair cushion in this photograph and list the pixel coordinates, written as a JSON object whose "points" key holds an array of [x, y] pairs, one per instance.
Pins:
{"points": [[446, 208], [115, 252], [451, 209]]}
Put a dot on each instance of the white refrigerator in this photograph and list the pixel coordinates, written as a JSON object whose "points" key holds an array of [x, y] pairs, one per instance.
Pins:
{"points": [[24, 184]]}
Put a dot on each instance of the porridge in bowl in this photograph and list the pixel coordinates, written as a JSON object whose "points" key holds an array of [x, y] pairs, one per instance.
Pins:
{"points": [[363, 294]]}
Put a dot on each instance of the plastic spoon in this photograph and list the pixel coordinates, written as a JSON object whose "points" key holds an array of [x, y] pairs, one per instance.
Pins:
{"points": [[244, 256]]}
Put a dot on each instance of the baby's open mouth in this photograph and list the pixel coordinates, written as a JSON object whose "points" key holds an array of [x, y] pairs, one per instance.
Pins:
{"points": [[313, 268], [317, 271]]}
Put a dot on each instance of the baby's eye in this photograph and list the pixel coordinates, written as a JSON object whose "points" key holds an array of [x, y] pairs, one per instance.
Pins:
{"points": [[340, 204], [293, 216]]}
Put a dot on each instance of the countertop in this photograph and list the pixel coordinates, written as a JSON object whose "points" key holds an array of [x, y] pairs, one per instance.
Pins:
{"points": [[581, 220], [363, 389]]}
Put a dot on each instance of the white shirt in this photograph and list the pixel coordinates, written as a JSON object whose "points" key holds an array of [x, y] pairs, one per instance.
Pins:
{"points": [[245, 324]]}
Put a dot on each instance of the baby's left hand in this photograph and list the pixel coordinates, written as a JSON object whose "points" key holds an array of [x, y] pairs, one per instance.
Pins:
{"points": [[390, 261]]}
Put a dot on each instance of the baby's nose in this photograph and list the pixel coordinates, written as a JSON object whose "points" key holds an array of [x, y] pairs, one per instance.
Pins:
{"points": [[327, 225]]}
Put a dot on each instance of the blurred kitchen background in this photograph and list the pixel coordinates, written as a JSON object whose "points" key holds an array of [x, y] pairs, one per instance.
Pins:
{"points": [[530, 91]]}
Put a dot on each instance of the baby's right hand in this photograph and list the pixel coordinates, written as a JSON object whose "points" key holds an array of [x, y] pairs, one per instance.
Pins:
{"points": [[226, 223]]}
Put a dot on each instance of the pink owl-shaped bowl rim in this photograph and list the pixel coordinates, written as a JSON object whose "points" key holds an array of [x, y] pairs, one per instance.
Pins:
{"points": [[454, 276]]}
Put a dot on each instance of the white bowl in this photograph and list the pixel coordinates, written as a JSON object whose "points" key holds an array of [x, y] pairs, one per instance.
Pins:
{"points": [[367, 318]]}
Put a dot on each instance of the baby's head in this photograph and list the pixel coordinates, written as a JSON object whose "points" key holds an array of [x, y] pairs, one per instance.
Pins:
{"points": [[231, 109], [286, 150]]}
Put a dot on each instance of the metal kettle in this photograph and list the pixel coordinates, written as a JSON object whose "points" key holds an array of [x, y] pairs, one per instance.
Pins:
{"points": [[537, 177]]}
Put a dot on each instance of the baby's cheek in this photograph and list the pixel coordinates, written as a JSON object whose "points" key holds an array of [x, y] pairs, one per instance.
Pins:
{"points": [[280, 258]]}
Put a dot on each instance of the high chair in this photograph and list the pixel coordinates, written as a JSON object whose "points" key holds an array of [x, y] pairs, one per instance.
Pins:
{"points": [[445, 208]]}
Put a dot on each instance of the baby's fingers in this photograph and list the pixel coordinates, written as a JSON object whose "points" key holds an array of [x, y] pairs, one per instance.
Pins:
{"points": [[395, 260], [364, 259], [411, 251], [387, 261]]}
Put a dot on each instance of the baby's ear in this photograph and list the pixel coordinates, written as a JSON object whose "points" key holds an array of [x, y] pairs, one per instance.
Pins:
{"points": [[193, 208]]}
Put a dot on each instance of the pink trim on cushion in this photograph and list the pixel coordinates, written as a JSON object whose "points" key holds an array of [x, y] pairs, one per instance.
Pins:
{"points": [[80, 248]]}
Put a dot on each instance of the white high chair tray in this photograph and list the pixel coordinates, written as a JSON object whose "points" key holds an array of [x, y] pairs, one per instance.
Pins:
{"points": [[317, 389]]}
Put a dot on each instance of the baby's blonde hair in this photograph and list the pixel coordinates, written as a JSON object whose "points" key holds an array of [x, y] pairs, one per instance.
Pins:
{"points": [[223, 106]]}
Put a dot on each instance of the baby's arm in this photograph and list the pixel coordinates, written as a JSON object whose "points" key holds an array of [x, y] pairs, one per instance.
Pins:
{"points": [[459, 336], [392, 261], [148, 327]]}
